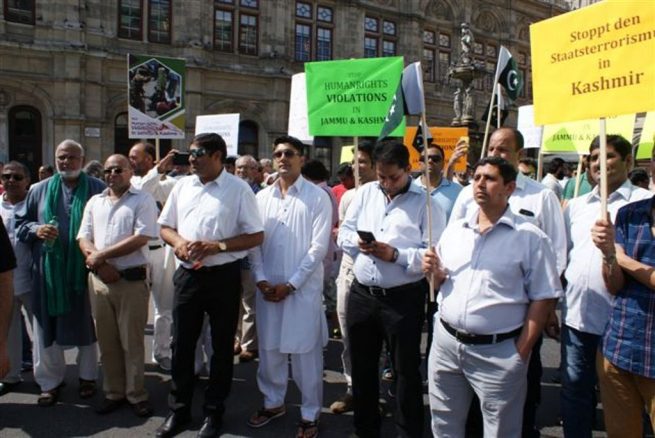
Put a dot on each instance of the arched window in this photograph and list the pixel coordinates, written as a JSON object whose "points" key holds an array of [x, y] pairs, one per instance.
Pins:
{"points": [[25, 144], [122, 141], [248, 138]]}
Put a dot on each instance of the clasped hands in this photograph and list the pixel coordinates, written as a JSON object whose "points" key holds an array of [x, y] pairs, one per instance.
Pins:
{"points": [[195, 250], [274, 293]]}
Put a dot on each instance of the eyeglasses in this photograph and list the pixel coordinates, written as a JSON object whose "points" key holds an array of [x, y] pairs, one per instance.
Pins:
{"points": [[198, 152], [14, 176], [288, 153], [68, 157], [435, 158], [113, 170]]}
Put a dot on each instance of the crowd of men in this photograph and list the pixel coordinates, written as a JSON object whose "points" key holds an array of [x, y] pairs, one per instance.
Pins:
{"points": [[242, 258]]}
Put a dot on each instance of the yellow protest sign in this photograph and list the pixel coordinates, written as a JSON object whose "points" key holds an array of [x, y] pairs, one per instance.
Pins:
{"points": [[577, 136], [444, 137], [347, 154], [645, 147], [594, 62]]}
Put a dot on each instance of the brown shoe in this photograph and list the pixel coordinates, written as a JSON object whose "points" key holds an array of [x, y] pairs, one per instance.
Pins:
{"points": [[247, 356], [343, 405]]}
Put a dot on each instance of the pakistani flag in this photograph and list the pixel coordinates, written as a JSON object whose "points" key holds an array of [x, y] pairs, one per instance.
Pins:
{"points": [[508, 74], [407, 100], [418, 141]]}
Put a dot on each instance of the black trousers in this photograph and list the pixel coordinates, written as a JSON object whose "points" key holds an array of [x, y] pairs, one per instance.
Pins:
{"points": [[398, 317], [216, 292]]}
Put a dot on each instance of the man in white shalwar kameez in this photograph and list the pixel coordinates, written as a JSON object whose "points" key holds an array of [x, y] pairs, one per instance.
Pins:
{"points": [[288, 271]]}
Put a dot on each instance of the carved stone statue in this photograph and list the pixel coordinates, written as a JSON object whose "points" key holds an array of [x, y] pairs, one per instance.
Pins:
{"points": [[466, 45], [469, 103], [457, 105]]}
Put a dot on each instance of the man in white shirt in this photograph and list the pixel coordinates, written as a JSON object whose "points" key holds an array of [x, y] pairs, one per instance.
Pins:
{"points": [[152, 179], [16, 180], [288, 269], [210, 219], [387, 297], [366, 174], [555, 170], [116, 226], [540, 206], [499, 282], [587, 303]]}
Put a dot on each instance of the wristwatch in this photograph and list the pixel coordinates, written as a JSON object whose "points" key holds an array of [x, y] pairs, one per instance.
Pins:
{"points": [[395, 255], [291, 287], [222, 247]]}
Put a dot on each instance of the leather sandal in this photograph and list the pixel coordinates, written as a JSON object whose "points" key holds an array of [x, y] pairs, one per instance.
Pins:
{"points": [[264, 416], [87, 388], [307, 429], [49, 398]]}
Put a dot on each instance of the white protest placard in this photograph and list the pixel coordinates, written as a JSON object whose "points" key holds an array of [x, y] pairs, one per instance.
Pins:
{"points": [[298, 121], [532, 133], [225, 125]]}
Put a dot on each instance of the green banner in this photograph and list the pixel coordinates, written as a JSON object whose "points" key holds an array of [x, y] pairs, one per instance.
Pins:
{"points": [[577, 136], [352, 97], [645, 148]]}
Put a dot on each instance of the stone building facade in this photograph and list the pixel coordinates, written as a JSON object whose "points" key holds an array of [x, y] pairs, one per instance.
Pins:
{"points": [[63, 62]]}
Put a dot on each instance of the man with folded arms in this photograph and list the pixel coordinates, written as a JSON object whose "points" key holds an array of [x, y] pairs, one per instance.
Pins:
{"points": [[116, 226], [499, 281]]}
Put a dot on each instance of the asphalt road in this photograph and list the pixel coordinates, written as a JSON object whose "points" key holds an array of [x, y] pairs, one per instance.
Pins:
{"points": [[73, 417]]}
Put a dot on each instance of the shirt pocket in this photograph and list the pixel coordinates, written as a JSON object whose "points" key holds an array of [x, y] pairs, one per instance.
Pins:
{"points": [[122, 225]]}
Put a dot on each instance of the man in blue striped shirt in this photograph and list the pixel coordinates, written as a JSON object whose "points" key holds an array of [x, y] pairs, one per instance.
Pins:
{"points": [[626, 367]]}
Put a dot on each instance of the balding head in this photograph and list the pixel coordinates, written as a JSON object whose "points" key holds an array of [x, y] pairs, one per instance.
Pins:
{"points": [[245, 167], [118, 173], [69, 157], [142, 158]]}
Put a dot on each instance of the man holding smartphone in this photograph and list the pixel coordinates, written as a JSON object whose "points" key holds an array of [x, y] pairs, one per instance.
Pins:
{"points": [[388, 294]]}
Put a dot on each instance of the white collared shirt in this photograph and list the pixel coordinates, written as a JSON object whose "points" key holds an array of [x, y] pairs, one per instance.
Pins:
{"points": [[221, 209], [153, 183], [533, 202], [587, 303], [493, 277], [297, 231], [22, 274], [401, 223], [106, 223]]}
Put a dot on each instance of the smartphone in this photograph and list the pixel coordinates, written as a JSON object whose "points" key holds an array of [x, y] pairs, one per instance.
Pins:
{"points": [[366, 236], [465, 139], [181, 159]]}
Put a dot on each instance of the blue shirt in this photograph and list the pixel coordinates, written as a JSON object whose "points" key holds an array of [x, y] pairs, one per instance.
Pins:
{"points": [[445, 194], [629, 341]]}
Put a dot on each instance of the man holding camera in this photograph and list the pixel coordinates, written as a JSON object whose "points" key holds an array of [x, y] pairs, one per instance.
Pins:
{"points": [[116, 226]]}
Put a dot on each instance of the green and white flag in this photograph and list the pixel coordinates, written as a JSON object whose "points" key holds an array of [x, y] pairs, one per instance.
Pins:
{"points": [[508, 74]]}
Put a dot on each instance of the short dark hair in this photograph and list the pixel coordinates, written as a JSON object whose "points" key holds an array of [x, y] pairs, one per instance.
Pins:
{"points": [[48, 168], [528, 161], [211, 142], [367, 146], [555, 165], [345, 170], [292, 141], [21, 166], [436, 146], [390, 151], [315, 170], [507, 171], [231, 159], [638, 175], [619, 143], [518, 137], [149, 149]]}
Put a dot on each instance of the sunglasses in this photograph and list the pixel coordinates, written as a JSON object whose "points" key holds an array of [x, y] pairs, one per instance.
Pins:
{"points": [[198, 152], [435, 158], [14, 176], [288, 153], [113, 170]]}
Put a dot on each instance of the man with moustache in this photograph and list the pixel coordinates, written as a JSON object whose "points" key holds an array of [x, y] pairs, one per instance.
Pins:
{"points": [[49, 222], [116, 226], [210, 219], [498, 283]]}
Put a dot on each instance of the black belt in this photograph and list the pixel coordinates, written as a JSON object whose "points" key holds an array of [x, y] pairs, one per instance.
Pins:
{"points": [[154, 247], [214, 268], [385, 291], [469, 338], [138, 273]]}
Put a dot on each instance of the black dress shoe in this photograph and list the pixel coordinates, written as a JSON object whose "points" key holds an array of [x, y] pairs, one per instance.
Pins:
{"points": [[210, 426], [174, 424]]}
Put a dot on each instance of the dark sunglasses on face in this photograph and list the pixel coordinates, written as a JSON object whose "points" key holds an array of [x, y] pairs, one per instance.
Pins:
{"points": [[199, 152], [14, 176], [114, 170], [288, 153], [435, 158]]}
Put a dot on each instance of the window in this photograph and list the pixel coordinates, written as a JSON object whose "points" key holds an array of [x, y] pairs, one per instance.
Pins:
{"points": [[429, 50], [248, 138], [313, 32], [486, 53], [236, 25], [379, 37], [19, 11], [131, 22], [159, 21], [323, 151], [444, 55], [25, 142]]}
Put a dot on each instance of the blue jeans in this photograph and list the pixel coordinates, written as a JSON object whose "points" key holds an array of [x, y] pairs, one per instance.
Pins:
{"points": [[578, 397]]}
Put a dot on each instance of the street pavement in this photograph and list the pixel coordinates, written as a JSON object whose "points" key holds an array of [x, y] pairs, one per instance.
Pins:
{"points": [[74, 417]]}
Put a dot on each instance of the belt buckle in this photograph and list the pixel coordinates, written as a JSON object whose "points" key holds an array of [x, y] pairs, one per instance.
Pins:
{"points": [[464, 337], [377, 291]]}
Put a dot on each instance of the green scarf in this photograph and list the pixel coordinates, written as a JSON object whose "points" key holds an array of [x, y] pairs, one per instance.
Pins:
{"points": [[60, 288]]}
